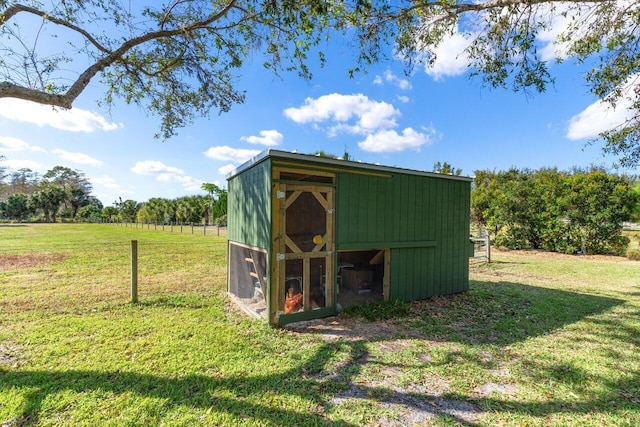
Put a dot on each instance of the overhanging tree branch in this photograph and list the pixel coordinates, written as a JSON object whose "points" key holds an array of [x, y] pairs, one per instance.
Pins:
{"points": [[179, 59], [8, 89]]}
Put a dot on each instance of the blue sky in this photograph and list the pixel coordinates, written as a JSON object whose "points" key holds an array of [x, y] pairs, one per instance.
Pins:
{"points": [[383, 116]]}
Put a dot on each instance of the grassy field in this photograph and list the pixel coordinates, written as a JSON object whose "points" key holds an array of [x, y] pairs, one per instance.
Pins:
{"points": [[538, 340]]}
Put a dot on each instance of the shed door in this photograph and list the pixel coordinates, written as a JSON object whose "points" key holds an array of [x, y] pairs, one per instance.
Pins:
{"points": [[304, 242]]}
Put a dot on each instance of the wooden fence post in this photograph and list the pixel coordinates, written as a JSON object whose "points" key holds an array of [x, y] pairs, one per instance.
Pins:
{"points": [[134, 271], [487, 245]]}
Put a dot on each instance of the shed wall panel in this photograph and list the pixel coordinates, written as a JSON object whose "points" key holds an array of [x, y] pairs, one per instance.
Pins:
{"points": [[409, 208], [249, 206]]}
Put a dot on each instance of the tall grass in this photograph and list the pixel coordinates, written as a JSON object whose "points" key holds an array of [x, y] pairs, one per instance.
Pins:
{"points": [[538, 340]]}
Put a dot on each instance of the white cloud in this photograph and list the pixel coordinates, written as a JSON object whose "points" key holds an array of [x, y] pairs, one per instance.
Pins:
{"points": [[390, 141], [228, 154], [269, 138], [8, 143], [106, 181], [188, 183], [366, 115], [224, 170], [154, 167], [403, 99], [80, 158], [596, 118], [451, 58], [358, 115], [192, 184], [19, 164], [548, 36], [168, 174], [602, 116], [74, 120], [389, 77]]}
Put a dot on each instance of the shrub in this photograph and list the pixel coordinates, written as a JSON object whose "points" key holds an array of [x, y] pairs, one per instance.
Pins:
{"points": [[633, 254]]}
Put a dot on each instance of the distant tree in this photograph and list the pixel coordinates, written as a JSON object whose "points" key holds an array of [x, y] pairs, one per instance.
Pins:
{"points": [[91, 208], [109, 212], [191, 209], [322, 153], [553, 210], [220, 207], [128, 209], [157, 209], [214, 194], [636, 210], [17, 207], [23, 181], [595, 207], [75, 185], [325, 154], [446, 168], [143, 215], [4, 170], [48, 199], [169, 207], [93, 201], [89, 212], [4, 173]]}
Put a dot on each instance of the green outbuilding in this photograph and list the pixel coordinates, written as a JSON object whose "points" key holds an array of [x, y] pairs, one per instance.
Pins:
{"points": [[309, 235]]}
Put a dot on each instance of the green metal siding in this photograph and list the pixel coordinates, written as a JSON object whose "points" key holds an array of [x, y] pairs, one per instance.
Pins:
{"points": [[249, 206], [393, 211]]}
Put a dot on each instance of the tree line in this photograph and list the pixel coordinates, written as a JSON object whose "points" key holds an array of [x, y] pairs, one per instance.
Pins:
{"points": [[579, 211], [65, 193], [60, 192], [196, 209]]}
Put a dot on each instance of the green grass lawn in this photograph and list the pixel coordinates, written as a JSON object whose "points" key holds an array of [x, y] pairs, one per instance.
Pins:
{"points": [[538, 340]]}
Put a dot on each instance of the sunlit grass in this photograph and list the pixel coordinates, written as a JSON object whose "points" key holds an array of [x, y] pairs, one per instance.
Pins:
{"points": [[538, 340]]}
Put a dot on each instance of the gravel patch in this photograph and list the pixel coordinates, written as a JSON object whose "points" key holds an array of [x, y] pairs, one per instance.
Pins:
{"points": [[9, 355]]}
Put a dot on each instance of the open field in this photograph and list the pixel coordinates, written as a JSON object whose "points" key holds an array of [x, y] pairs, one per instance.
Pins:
{"points": [[539, 340]]}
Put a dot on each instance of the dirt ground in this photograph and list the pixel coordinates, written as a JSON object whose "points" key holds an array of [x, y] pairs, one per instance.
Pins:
{"points": [[416, 411], [28, 260]]}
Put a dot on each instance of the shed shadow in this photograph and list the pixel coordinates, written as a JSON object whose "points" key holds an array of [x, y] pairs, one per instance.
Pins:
{"points": [[503, 313], [497, 313]]}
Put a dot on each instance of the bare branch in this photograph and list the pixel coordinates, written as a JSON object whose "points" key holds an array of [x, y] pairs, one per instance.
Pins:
{"points": [[460, 8], [15, 9], [8, 89]]}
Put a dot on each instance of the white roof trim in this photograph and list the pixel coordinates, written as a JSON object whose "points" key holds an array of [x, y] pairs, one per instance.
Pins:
{"points": [[336, 162]]}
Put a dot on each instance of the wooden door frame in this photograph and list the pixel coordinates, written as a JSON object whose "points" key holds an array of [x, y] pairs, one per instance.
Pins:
{"points": [[280, 202]]}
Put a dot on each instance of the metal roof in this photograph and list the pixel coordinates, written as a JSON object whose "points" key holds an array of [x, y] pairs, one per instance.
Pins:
{"points": [[339, 163]]}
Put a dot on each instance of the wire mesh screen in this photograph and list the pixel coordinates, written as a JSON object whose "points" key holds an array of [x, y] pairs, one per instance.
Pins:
{"points": [[248, 277]]}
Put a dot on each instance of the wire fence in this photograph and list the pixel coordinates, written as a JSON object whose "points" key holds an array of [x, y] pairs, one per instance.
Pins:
{"points": [[80, 272], [179, 227], [481, 246]]}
